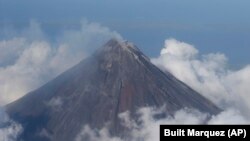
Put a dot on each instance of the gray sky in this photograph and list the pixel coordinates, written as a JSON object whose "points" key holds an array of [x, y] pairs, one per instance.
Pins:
{"points": [[210, 25]]}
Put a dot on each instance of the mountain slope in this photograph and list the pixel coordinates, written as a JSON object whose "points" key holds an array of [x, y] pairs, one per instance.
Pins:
{"points": [[116, 78]]}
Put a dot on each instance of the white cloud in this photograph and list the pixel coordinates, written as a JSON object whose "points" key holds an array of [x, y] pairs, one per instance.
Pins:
{"points": [[28, 60], [55, 104], [147, 129], [207, 74], [229, 116], [10, 49], [237, 83], [179, 49], [9, 130], [89, 134]]}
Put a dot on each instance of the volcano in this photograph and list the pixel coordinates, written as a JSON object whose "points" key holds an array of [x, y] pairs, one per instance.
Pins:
{"points": [[117, 78]]}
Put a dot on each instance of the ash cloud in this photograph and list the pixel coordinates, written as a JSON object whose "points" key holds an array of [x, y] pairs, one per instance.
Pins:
{"points": [[28, 59]]}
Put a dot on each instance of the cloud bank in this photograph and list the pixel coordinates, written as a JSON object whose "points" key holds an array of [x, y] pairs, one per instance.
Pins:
{"points": [[207, 74], [147, 128], [29, 59]]}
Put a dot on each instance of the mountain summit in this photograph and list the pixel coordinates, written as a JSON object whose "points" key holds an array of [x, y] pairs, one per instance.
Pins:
{"points": [[118, 77]]}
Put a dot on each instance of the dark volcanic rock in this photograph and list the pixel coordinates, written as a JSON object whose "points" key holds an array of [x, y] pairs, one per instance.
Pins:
{"points": [[116, 78]]}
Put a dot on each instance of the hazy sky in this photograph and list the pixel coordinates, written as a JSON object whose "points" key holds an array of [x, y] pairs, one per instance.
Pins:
{"points": [[210, 25]]}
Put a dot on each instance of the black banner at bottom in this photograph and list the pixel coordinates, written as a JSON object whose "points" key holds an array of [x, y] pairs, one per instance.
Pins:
{"points": [[205, 132]]}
